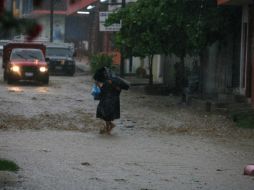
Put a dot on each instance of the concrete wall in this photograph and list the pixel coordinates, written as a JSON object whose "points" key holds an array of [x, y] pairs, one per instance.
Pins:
{"points": [[221, 67], [157, 67], [169, 63], [244, 47], [252, 52], [136, 63]]}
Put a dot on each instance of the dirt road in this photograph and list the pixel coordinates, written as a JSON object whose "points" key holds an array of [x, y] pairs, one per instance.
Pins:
{"points": [[51, 132]]}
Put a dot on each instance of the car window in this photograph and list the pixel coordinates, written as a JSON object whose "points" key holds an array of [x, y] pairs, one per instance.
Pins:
{"points": [[54, 51], [27, 54]]}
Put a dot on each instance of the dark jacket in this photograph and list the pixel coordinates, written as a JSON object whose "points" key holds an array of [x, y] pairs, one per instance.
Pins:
{"points": [[108, 108]]}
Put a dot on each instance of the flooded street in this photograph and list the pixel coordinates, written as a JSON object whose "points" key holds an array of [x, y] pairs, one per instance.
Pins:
{"points": [[51, 132]]}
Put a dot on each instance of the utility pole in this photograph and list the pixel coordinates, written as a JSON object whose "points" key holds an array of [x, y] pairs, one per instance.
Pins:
{"points": [[122, 49], [94, 29], [51, 19], [123, 4], [12, 7]]}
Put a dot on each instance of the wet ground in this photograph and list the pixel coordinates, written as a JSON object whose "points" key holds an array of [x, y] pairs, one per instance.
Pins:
{"points": [[51, 132]]}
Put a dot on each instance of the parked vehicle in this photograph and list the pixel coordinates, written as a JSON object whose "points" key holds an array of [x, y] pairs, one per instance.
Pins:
{"points": [[2, 43], [60, 59], [25, 61]]}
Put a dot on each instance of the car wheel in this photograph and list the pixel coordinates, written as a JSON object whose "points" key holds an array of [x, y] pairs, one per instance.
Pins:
{"points": [[71, 74], [5, 76], [45, 81], [10, 81]]}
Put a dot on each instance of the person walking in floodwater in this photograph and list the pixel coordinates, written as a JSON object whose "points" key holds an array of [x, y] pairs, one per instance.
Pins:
{"points": [[108, 108]]}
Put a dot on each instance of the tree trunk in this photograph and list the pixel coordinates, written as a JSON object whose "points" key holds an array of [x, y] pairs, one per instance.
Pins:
{"points": [[184, 80], [151, 70], [180, 76], [202, 56]]}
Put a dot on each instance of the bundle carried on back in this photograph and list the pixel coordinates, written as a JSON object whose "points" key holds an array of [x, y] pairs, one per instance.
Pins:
{"points": [[106, 74], [120, 82]]}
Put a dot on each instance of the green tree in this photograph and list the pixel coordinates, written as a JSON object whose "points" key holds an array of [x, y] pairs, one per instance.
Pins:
{"points": [[100, 60], [180, 27], [10, 25], [137, 33]]}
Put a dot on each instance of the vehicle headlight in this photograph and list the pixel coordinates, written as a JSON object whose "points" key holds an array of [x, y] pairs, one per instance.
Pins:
{"points": [[43, 69], [15, 68]]}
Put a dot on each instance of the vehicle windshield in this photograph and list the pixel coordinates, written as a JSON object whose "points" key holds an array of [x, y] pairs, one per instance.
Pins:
{"points": [[27, 54], [55, 51]]}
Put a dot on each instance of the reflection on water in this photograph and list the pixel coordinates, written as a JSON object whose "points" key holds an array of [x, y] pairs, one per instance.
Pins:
{"points": [[15, 89], [42, 89]]}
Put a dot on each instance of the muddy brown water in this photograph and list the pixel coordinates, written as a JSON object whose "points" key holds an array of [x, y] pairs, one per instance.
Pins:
{"points": [[52, 134]]}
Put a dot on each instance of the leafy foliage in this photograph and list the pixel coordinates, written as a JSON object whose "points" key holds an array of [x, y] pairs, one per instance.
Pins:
{"points": [[11, 25], [189, 26], [137, 32], [177, 27], [100, 60], [6, 165], [244, 120]]}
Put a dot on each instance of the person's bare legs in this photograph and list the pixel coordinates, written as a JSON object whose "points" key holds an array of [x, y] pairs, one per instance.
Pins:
{"points": [[108, 126], [103, 129], [111, 126]]}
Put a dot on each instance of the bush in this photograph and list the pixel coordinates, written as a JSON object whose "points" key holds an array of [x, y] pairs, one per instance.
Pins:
{"points": [[100, 60], [6, 165], [244, 120]]}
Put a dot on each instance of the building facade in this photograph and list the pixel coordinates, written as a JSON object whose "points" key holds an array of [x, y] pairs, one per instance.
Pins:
{"points": [[68, 26], [246, 70]]}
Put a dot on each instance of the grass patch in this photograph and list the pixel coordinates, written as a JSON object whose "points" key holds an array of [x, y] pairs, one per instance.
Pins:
{"points": [[7, 165], [244, 120]]}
